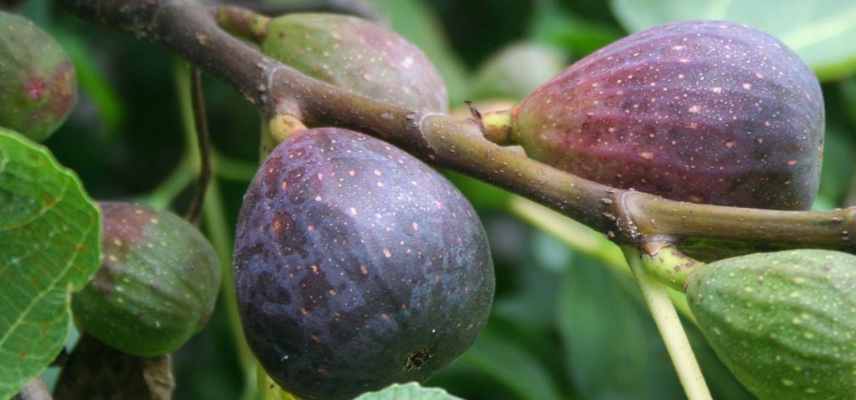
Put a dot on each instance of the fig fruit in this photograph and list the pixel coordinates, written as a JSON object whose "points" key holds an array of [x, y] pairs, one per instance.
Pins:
{"points": [[357, 266], [784, 322], [709, 112], [157, 284], [357, 55], [38, 87]]}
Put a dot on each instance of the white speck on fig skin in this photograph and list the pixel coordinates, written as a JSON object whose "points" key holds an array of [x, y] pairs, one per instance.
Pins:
{"points": [[391, 241], [360, 56], [695, 85]]}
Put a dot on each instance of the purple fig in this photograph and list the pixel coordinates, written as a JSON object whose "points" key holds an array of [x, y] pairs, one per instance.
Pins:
{"points": [[709, 112], [357, 266]]}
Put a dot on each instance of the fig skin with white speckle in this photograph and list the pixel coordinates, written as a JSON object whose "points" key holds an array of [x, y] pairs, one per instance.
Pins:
{"points": [[357, 266], [157, 285], [357, 55], [38, 86], [783, 322], [709, 112]]}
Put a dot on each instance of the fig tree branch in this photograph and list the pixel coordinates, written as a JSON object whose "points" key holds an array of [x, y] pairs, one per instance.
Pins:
{"points": [[626, 216]]}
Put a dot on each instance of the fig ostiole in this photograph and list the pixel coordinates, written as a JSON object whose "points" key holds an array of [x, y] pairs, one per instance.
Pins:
{"points": [[703, 111], [157, 284], [38, 86], [783, 322], [357, 266]]}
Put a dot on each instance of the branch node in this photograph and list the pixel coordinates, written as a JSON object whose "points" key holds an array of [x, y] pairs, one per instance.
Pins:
{"points": [[625, 227]]}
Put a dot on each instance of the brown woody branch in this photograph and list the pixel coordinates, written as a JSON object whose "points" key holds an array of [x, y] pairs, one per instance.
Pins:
{"points": [[626, 216]]}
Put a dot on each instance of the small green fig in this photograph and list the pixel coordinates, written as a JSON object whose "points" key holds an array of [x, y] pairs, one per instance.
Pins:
{"points": [[784, 322], [704, 111], [358, 55], [38, 87], [157, 284]]}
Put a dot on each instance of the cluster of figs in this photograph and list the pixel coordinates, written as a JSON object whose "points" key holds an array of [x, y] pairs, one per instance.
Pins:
{"points": [[357, 265]]}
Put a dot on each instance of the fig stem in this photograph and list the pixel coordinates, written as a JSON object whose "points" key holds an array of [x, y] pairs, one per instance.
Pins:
{"points": [[583, 240], [243, 22], [496, 126], [203, 145], [283, 126], [161, 197], [275, 130], [669, 324], [626, 216], [214, 216], [666, 263]]}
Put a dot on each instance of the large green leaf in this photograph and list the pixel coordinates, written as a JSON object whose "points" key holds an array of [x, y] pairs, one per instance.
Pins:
{"points": [[577, 36], [822, 32], [49, 247], [612, 346], [410, 391]]}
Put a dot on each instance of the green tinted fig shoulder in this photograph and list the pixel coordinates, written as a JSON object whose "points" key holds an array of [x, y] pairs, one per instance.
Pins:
{"points": [[157, 284]]}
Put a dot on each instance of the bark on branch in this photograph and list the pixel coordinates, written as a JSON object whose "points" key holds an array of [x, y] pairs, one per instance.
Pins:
{"points": [[630, 217]]}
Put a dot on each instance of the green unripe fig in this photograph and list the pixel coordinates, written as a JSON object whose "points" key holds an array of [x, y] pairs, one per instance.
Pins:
{"points": [[784, 322], [157, 284], [38, 87], [358, 55], [516, 71]]}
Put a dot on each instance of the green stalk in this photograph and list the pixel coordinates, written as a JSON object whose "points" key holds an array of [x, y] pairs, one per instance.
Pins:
{"points": [[669, 265], [671, 330], [584, 240], [215, 221], [162, 196], [269, 390]]}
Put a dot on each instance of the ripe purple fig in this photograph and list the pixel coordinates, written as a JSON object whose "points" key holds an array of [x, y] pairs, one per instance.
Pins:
{"points": [[357, 266], [38, 87], [709, 112]]}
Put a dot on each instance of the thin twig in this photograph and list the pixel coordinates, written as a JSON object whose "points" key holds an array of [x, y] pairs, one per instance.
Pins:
{"points": [[204, 146]]}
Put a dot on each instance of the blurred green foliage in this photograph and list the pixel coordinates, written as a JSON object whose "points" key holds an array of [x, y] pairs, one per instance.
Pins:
{"points": [[563, 327]]}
